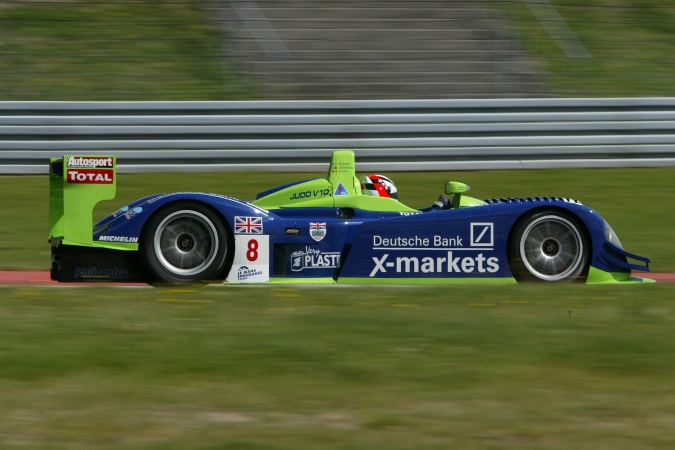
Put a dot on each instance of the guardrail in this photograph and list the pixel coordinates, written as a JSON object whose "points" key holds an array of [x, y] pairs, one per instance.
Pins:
{"points": [[387, 135]]}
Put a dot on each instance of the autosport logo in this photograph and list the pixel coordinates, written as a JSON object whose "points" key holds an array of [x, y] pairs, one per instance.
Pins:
{"points": [[312, 258], [439, 264], [89, 162]]}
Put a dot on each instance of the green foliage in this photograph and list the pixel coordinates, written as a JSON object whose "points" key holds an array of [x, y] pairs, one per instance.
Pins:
{"points": [[154, 50], [631, 43], [94, 50]]}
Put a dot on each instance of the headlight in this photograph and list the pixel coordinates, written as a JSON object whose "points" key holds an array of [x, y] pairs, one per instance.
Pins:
{"points": [[611, 236]]}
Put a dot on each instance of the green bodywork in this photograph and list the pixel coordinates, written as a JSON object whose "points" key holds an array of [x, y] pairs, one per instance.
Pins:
{"points": [[597, 276], [340, 189], [386, 281]]}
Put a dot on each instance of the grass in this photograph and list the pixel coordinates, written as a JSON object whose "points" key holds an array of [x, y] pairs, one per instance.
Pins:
{"points": [[631, 44], [344, 368], [96, 50], [634, 201]]}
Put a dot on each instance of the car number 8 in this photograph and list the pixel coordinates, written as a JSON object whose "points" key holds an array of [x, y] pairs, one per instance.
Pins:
{"points": [[252, 253]]}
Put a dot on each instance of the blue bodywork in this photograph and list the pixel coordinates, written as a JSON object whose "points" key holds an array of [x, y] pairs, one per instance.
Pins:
{"points": [[464, 244]]}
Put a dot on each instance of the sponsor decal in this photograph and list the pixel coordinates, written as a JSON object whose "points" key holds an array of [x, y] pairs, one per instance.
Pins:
{"points": [[482, 234], [128, 213], [251, 259], [248, 225], [439, 264], [132, 212], [445, 254], [340, 190], [342, 167], [120, 211], [317, 230], [312, 258], [400, 242], [101, 273], [89, 162], [244, 273], [125, 239], [309, 194], [90, 176]]}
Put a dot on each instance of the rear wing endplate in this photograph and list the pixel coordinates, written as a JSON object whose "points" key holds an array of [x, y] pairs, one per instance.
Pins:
{"points": [[76, 185]]}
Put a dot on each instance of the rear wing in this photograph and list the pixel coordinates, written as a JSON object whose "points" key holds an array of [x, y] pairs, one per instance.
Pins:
{"points": [[76, 185]]}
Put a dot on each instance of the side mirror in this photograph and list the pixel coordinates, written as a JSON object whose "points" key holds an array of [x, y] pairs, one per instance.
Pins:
{"points": [[456, 189]]}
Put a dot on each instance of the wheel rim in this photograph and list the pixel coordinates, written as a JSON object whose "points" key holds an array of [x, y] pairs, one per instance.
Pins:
{"points": [[552, 248], [186, 243]]}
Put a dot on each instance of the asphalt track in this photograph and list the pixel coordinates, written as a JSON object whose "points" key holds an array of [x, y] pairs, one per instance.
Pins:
{"points": [[41, 278]]}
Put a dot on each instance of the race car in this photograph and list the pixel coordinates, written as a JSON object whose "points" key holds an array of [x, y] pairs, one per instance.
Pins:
{"points": [[323, 230]]}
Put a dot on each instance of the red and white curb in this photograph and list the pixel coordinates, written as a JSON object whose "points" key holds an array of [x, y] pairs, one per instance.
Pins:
{"points": [[43, 278]]}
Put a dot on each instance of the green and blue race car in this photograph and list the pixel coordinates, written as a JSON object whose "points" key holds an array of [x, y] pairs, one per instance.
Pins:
{"points": [[324, 230]]}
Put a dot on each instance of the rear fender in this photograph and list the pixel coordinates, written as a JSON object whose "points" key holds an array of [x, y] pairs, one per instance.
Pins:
{"points": [[127, 224]]}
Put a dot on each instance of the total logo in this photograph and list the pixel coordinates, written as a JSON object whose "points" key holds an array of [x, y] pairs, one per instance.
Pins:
{"points": [[438, 264], [90, 176], [312, 258]]}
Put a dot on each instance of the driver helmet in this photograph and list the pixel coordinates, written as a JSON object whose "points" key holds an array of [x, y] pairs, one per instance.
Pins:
{"points": [[378, 185]]}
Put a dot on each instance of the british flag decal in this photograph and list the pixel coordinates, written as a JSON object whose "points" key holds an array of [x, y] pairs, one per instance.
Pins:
{"points": [[248, 225]]}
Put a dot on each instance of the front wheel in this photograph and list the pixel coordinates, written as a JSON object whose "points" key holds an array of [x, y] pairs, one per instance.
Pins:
{"points": [[549, 246], [185, 242]]}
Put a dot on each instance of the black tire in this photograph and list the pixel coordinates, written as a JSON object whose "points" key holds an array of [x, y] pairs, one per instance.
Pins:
{"points": [[185, 242], [549, 246]]}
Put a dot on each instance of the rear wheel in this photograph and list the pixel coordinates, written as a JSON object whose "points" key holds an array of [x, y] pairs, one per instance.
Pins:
{"points": [[549, 246], [185, 242]]}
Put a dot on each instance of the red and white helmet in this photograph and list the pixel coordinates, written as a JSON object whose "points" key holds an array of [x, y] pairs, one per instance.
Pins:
{"points": [[378, 185]]}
